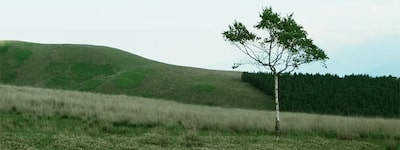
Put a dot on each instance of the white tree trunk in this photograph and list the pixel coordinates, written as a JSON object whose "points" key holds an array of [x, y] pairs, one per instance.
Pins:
{"points": [[277, 125]]}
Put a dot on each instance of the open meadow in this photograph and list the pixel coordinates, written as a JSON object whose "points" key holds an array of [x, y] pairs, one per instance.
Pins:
{"points": [[36, 118]]}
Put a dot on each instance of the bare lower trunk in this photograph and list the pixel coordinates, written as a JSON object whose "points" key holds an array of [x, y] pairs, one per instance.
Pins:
{"points": [[277, 125]]}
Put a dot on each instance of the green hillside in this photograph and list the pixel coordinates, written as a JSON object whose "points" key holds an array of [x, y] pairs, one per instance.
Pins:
{"points": [[112, 71]]}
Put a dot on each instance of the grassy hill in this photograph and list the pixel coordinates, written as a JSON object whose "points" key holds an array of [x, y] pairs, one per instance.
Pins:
{"points": [[112, 71], [35, 118]]}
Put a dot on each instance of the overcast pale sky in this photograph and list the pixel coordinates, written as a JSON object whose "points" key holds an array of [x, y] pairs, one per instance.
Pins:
{"points": [[359, 36]]}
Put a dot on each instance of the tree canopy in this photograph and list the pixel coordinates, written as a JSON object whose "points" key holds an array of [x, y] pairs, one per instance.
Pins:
{"points": [[351, 95], [283, 48]]}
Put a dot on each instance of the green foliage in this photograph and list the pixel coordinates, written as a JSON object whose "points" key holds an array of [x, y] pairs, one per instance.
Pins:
{"points": [[269, 19], [130, 79], [284, 47], [86, 71], [329, 94], [238, 33]]}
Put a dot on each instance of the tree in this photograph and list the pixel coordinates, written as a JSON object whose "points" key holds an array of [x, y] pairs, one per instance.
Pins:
{"points": [[284, 47]]}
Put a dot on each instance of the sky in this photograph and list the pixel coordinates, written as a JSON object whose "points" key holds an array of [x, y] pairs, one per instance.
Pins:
{"points": [[359, 36]]}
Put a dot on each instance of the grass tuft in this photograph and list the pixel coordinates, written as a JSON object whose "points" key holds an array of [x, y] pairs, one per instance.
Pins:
{"points": [[159, 136], [191, 138], [13, 108]]}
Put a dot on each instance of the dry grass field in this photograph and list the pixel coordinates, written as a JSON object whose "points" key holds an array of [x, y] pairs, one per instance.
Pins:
{"points": [[168, 122]]}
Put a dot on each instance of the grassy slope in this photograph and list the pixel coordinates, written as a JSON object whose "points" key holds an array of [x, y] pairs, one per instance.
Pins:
{"points": [[112, 71], [53, 119]]}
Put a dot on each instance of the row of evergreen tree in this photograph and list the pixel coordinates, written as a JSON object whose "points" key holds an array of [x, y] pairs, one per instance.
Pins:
{"points": [[351, 95]]}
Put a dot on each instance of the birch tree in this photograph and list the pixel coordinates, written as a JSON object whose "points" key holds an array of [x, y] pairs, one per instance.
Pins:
{"points": [[282, 47]]}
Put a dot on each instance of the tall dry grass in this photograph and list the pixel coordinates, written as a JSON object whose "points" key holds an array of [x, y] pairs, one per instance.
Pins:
{"points": [[143, 111]]}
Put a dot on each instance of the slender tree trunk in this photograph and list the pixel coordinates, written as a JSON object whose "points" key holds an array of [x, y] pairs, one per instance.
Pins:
{"points": [[277, 125]]}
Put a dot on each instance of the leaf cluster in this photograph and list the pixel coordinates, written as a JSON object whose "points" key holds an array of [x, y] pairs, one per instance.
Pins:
{"points": [[283, 48]]}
